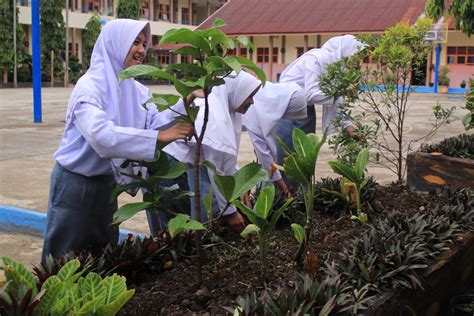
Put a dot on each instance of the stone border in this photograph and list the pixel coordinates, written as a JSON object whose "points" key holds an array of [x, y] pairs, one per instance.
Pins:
{"points": [[23, 221]]}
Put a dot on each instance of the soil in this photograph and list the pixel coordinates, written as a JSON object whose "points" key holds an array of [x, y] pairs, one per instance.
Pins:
{"points": [[232, 265]]}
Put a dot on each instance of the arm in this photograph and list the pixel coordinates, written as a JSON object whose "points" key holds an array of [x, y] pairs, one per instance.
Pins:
{"points": [[313, 92], [264, 154]]}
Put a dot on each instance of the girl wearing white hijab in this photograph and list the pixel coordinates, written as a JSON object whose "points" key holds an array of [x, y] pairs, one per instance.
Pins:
{"points": [[272, 103], [227, 104], [105, 123], [306, 71]]}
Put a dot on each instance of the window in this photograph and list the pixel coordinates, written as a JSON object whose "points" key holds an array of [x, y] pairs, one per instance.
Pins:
{"points": [[275, 55], [91, 5], [155, 40], [460, 55], [164, 58], [164, 12], [263, 54], [145, 9], [242, 52]]}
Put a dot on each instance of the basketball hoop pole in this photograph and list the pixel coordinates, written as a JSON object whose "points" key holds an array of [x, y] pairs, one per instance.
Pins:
{"points": [[438, 53]]}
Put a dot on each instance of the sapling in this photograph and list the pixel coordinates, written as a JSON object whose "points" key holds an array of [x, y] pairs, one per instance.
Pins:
{"points": [[263, 218], [353, 182], [208, 49], [299, 167]]}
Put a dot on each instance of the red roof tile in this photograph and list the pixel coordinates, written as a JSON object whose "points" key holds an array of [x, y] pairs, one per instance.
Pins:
{"points": [[254, 17]]}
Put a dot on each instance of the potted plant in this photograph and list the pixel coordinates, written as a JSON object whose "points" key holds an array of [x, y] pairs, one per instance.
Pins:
{"points": [[463, 84], [443, 80]]}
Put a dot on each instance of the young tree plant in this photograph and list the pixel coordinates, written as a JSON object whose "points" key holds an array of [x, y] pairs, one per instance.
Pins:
{"points": [[263, 218], [299, 167], [353, 182], [208, 50]]}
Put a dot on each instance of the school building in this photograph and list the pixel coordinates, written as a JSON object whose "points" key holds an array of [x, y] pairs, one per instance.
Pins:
{"points": [[283, 30], [162, 15]]}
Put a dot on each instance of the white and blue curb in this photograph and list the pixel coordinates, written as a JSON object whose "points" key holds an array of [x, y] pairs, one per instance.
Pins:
{"points": [[20, 220]]}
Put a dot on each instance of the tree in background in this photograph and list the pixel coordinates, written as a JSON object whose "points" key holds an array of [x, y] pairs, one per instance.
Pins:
{"points": [[89, 36], [52, 35], [128, 9], [461, 10], [6, 38]]}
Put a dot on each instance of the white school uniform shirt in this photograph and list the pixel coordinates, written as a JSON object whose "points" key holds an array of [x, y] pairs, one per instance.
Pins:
{"points": [[307, 70], [105, 121], [222, 137], [273, 102]]}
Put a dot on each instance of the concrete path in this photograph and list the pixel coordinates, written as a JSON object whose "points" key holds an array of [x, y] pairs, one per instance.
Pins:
{"points": [[26, 154]]}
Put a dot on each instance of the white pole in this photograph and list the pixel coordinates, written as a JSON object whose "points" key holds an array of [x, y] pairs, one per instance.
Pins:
{"points": [[14, 45]]}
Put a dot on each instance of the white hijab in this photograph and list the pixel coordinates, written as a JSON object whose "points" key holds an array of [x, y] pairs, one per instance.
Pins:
{"points": [[272, 103], [121, 101], [222, 136]]}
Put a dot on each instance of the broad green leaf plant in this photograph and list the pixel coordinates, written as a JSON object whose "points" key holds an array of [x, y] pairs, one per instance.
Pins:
{"points": [[299, 167], [210, 65], [353, 182], [264, 219], [68, 292]]}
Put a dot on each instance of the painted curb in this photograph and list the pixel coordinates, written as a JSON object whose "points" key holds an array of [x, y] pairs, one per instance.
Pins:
{"points": [[19, 220]]}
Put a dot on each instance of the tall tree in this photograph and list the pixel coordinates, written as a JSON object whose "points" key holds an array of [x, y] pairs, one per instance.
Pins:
{"points": [[52, 34], [6, 38], [89, 36], [461, 10], [128, 9]]}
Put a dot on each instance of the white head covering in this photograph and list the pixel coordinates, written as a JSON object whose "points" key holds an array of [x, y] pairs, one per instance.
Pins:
{"points": [[224, 124], [272, 103], [100, 84]]}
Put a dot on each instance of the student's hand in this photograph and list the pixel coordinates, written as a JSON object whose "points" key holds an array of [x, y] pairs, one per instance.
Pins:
{"points": [[236, 222], [245, 198], [353, 133], [180, 130], [282, 185], [199, 93]]}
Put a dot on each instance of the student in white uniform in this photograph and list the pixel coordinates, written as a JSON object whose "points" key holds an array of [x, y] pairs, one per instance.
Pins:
{"points": [[306, 71], [105, 124], [227, 104], [272, 103]]}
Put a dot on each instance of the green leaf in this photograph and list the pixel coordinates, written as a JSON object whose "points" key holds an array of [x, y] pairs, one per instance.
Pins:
{"points": [[361, 163], [247, 177], [305, 150], [276, 215], [185, 36], [295, 170], [193, 112], [343, 170], [119, 189], [208, 201], [68, 271], [192, 69], [145, 70], [250, 229], [164, 101], [265, 201], [188, 50], [298, 231], [182, 222], [114, 307], [284, 147], [19, 274], [128, 210], [172, 171], [93, 290], [260, 222], [225, 184], [218, 23]]}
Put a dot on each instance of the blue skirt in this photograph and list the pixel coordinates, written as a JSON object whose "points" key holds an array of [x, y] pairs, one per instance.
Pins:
{"points": [[79, 213]]}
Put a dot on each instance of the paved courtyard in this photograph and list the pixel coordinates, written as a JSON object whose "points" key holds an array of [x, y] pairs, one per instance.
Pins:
{"points": [[26, 151]]}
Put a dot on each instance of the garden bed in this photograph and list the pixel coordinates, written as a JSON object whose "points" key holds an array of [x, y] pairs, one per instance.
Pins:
{"points": [[448, 163], [232, 265]]}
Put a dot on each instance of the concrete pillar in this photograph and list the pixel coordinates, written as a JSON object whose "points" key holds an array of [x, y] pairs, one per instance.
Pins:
{"points": [[270, 70], [152, 10], [190, 11], [305, 43], [73, 41], [208, 6], [106, 7], [283, 48], [171, 16]]}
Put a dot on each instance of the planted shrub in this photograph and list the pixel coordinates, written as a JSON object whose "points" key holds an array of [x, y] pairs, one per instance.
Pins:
{"points": [[263, 218], [460, 146]]}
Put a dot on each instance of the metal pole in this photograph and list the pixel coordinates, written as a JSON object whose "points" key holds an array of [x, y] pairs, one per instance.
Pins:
{"points": [[35, 34], [66, 71], [14, 45], [438, 53]]}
